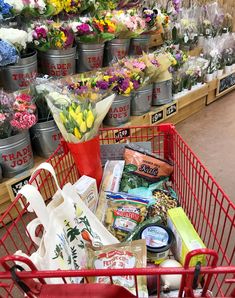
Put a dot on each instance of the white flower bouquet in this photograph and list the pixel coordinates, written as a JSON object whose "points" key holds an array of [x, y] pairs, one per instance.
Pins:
{"points": [[18, 38]]}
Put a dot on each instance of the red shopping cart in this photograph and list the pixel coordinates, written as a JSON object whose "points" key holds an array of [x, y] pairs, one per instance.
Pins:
{"points": [[209, 209]]}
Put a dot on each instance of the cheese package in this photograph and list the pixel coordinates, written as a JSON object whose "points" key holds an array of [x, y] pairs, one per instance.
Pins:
{"points": [[87, 189], [111, 181], [186, 237]]}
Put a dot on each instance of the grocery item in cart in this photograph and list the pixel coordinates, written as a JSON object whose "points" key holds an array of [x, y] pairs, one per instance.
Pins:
{"points": [[120, 256], [68, 225], [170, 282], [124, 213], [159, 240], [110, 182], [146, 164], [163, 202], [187, 239], [87, 190]]}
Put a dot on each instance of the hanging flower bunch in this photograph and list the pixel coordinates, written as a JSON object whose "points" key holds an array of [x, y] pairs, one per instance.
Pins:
{"points": [[94, 30], [51, 35]]}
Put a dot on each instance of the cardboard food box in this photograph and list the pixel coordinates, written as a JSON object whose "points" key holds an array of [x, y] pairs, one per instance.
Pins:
{"points": [[186, 237], [87, 189]]}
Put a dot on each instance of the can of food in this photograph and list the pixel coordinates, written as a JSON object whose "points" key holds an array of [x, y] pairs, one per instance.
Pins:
{"points": [[162, 93], [159, 240], [119, 112]]}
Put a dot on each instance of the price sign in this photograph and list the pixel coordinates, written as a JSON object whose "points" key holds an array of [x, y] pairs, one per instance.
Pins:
{"points": [[19, 184], [171, 109], [156, 117], [226, 83], [122, 134]]}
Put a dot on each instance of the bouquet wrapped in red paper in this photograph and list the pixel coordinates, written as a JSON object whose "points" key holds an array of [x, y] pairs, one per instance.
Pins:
{"points": [[79, 123]]}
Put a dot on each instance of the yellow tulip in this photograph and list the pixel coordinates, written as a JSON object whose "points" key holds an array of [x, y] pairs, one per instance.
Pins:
{"points": [[78, 109], [79, 119], [90, 119], [83, 127], [77, 133], [62, 117]]}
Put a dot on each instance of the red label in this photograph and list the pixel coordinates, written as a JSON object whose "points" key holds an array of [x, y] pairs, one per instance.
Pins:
{"points": [[56, 137], [24, 79], [119, 112], [131, 215], [94, 62], [57, 70], [19, 158], [120, 54]]}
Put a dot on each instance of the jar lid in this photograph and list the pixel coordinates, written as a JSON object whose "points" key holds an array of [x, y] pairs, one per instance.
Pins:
{"points": [[158, 238]]}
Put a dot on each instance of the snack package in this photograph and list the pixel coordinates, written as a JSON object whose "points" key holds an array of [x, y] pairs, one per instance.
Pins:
{"points": [[163, 202], [110, 182], [124, 213], [120, 256], [145, 164]]}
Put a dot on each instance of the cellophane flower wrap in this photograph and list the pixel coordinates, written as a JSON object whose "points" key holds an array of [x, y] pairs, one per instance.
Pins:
{"points": [[93, 29], [51, 35], [6, 114], [24, 112], [78, 121], [180, 57], [17, 113], [87, 87], [128, 23], [38, 92]]}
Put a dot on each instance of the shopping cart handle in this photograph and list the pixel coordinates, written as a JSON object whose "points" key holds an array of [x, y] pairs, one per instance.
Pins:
{"points": [[203, 251]]}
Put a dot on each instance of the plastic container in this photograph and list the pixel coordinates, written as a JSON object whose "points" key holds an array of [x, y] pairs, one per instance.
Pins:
{"points": [[159, 240]]}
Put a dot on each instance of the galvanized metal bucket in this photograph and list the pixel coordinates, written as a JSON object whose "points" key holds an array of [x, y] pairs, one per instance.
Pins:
{"points": [[57, 63], [16, 154], [116, 49], [19, 75], [90, 56], [119, 112], [139, 45], [45, 138], [162, 93], [141, 101]]}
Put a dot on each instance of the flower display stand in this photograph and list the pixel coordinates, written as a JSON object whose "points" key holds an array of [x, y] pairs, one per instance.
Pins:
{"points": [[220, 86]]}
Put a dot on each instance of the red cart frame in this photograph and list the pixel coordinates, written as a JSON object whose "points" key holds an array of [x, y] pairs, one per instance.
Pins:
{"points": [[210, 210]]}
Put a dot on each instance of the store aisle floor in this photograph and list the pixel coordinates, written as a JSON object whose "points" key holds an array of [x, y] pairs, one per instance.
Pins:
{"points": [[211, 135]]}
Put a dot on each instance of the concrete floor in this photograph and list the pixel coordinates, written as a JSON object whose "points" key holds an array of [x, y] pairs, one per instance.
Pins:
{"points": [[211, 135]]}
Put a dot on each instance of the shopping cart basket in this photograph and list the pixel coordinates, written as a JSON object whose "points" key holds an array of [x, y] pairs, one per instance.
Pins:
{"points": [[209, 209]]}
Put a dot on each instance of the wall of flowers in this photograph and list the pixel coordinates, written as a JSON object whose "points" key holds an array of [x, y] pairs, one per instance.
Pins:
{"points": [[87, 50]]}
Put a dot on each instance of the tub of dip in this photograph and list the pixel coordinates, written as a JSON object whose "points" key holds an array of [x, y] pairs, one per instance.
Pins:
{"points": [[159, 240]]}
